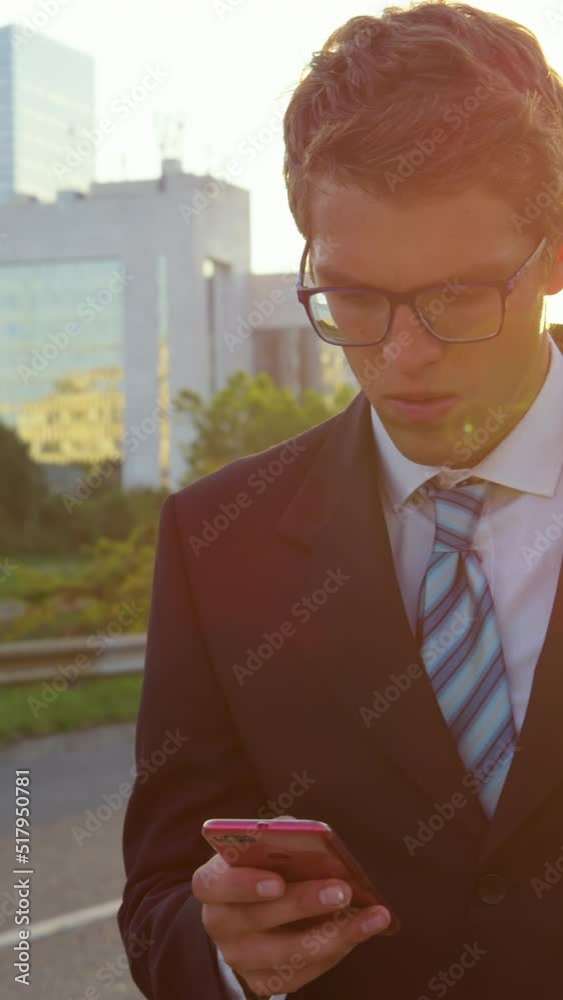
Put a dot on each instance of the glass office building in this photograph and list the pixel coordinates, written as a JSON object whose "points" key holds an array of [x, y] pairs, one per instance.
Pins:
{"points": [[46, 113], [104, 320], [61, 343]]}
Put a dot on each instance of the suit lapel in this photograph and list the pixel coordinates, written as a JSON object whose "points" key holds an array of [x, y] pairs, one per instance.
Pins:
{"points": [[337, 515], [537, 767]]}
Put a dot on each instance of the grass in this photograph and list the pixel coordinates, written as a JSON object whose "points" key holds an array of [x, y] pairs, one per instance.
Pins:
{"points": [[91, 702]]}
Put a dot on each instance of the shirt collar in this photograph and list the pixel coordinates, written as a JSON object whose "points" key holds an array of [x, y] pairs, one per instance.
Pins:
{"points": [[528, 459]]}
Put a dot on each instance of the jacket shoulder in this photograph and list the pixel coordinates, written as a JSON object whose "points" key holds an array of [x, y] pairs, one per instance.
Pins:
{"points": [[286, 462]]}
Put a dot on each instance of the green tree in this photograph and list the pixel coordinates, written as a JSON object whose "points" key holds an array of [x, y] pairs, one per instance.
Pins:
{"points": [[22, 486], [115, 531], [249, 414]]}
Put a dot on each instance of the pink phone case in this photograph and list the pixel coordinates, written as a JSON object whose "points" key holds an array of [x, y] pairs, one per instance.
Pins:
{"points": [[298, 849]]}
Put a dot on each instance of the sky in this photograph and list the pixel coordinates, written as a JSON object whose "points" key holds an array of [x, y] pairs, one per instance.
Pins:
{"points": [[228, 68]]}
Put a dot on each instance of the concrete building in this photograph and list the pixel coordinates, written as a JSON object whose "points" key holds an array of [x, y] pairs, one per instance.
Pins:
{"points": [[46, 112], [284, 343], [112, 302], [114, 297], [120, 297]]}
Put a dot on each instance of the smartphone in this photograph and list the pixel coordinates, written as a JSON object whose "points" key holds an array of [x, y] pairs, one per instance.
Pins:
{"points": [[298, 850]]}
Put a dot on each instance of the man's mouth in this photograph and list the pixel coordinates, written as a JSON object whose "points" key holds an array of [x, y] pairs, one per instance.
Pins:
{"points": [[421, 407]]}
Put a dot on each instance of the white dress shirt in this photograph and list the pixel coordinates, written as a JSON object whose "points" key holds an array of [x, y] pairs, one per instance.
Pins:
{"points": [[519, 536]]}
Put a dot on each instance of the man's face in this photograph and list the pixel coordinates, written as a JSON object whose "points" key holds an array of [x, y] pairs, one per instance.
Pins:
{"points": [[435, 398]]}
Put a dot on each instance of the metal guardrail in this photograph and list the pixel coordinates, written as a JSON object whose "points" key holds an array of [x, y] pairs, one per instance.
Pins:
{"points": [[73, 659]]}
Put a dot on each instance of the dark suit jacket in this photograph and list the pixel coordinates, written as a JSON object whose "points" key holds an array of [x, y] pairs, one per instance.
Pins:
{"points": [[493, 891]]}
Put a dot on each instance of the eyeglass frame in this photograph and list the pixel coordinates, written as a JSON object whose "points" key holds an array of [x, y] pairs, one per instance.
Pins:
{"points": [[505, 288]]}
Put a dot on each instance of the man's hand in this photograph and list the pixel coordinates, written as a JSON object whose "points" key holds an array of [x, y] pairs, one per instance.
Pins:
{"points": [[250, 915]]}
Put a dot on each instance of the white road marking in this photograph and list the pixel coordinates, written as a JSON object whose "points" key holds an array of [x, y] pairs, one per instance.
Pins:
{"points": [[66, 922]]}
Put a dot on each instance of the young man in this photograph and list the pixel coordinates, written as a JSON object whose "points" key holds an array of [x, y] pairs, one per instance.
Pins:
{"points": [[376, 637]]}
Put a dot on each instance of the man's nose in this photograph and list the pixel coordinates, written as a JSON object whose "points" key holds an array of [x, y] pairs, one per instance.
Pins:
{"points": [[418, 348]]}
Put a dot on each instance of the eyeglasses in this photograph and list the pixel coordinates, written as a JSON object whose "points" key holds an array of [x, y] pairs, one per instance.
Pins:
{"points": [[453, 312]]}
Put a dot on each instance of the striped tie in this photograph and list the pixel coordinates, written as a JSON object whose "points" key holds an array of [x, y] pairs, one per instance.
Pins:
{"points": [[460, 643]]}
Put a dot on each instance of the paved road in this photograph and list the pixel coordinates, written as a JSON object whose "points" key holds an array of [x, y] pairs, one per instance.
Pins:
{"points": [[70, 775]]}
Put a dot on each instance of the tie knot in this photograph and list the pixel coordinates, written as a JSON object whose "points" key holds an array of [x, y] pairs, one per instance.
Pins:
{"points": [[457, 512]]}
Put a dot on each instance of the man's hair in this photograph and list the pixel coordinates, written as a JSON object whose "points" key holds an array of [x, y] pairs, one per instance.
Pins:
{"points": [[366, 109]]}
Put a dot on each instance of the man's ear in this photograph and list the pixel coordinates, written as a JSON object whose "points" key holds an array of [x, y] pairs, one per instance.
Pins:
{"points": [[555, 278]]}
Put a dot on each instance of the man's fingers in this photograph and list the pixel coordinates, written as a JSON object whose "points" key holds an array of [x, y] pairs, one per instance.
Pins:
{"points": [[218, 882], [301, 901], [303, 928]]}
